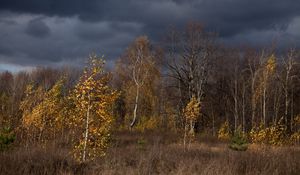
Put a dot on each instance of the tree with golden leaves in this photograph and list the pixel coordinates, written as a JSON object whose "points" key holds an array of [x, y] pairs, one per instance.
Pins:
{"points": [[33, 96], [93, 99], [41, 110], [191, 113], [47, 112]]}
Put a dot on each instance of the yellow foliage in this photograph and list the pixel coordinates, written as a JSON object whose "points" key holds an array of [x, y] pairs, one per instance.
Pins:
{"points": [[30, 122], [268, 71], [192, 110], [295, 138], [297, 120], [191, 113], [92, 112], [42, 110], [273, 135], [224, 131], [271, 64], [146, 123]]}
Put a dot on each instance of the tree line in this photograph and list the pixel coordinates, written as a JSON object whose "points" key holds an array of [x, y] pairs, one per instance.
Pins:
{"points": [[188, 82]]}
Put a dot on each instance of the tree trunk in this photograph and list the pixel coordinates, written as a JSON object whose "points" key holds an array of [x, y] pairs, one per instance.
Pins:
{"points": [[243, 107], [252, 103], [86, 131], [286, 95], [292, 110], [264, 105], [286, 105], [275, 115], [135, 107], [192, 127], [235, 105]]}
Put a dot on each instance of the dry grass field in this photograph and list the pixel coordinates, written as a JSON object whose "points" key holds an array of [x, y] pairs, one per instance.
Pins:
{"points": [[155, 153]]}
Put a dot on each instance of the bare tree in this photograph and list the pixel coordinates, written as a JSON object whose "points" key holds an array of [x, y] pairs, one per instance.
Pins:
{"points": [[190, 62], [289, 64]]}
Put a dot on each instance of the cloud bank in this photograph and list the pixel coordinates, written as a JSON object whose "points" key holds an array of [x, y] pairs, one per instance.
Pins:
{"points": [[52, 32]]}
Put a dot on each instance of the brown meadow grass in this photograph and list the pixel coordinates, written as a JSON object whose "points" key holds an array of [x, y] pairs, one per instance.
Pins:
{"points": [[155, 153]]}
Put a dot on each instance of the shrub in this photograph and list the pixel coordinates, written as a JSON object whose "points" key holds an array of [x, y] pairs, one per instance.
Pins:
{"points": [[273, 135], [258, 134], [277, 134], [7, 137], [224, 131], [238, 141], [295, 137]]}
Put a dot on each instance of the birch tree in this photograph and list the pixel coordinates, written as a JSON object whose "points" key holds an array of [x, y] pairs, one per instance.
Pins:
{"points": [[268, 74], [138, 72], [93, 118], [289, 64], [254, 69], [192, 113], [190, 64], [41, 110], [191, 54]]}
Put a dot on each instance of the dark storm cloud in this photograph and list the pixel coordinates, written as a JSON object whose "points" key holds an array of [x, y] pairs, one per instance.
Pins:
{"points": [[5, 50], [71, 40], [231, 17], [53, 31], [227, 16], [37, 28], [94, 31]]}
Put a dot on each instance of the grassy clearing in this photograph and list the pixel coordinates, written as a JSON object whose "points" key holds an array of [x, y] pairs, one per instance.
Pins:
{"points": [[155, 153]]}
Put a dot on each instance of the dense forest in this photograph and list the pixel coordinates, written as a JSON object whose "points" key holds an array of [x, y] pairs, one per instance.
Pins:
{"points": [[186, 90]]}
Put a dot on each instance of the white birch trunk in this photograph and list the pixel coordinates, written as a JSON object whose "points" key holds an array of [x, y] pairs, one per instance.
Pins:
{"points": [[86, 131]]}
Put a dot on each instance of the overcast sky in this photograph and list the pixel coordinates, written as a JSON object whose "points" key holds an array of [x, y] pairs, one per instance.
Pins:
{"points": [[54, 32]]}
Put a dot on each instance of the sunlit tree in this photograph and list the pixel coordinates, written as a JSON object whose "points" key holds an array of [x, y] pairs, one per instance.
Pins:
{"points": [[192, 113], [33, 96], [41, 110], [93, 99], [46, 115]]}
